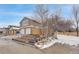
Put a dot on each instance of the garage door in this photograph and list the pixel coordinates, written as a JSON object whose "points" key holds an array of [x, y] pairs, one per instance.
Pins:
{"points": [[22, 31], [28, 30]]}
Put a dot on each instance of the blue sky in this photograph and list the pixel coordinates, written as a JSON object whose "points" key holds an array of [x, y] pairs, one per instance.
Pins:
{"points": [[12, 14]]}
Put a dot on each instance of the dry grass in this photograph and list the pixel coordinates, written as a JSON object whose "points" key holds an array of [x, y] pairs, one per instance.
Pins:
{"points": [[68, 33]]}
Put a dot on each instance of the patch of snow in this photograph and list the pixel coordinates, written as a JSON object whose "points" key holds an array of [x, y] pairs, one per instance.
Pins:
{"points": [[63, 39], [48, 44], [71, 40]]}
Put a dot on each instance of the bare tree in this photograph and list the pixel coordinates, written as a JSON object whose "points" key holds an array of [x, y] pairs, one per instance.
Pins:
{"points": [[76, 16], [55, 18], [64, 25], [41, 12]]}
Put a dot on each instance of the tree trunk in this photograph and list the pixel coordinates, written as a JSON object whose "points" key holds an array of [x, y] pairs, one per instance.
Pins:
{"points": [[77, 29]]}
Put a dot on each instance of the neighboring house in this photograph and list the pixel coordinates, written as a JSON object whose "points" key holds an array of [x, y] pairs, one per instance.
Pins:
{"points": [[29, 26], [13, 30], [3, 31]]}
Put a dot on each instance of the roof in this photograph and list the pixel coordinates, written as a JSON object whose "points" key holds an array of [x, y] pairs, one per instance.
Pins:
{"points": [[13, 26], [3, 29], [26, 18]]}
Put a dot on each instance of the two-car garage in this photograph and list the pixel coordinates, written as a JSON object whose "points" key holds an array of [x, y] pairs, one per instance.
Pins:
{"points": [[30, 30], [25, 31]]}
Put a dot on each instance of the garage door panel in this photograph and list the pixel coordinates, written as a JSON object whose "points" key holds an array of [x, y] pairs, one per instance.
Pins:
{"points": [[28, 30], [22, 31]]}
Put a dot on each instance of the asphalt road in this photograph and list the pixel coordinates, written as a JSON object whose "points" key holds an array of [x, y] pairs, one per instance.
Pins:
{"points": [[8, 46]]}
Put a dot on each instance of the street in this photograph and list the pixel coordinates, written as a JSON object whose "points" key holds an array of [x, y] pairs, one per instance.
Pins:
{"points": [[8, 46]]}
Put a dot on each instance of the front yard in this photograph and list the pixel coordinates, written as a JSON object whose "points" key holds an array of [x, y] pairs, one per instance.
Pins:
{"points": [[64, 44]]}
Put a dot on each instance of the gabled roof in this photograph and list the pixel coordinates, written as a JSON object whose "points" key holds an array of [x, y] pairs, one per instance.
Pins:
{"points": [[3, 29], [26, 18], [13, 26]]}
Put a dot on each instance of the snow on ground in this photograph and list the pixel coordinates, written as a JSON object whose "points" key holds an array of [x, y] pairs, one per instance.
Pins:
{"points": [[48, 44], [63, 39], [71, 40]]}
